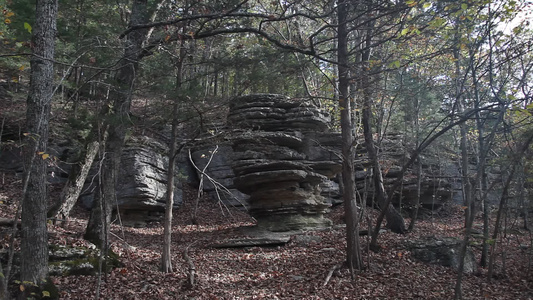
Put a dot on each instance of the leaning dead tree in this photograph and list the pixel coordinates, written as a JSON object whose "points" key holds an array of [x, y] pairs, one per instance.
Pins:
{"points": [[74, 186]]}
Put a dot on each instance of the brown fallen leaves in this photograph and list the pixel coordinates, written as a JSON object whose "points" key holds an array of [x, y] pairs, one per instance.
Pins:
{"points": [[294, 271]]}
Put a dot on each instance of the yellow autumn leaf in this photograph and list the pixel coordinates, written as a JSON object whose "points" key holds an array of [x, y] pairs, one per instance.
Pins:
{"points": [[410, 3], [7, 21], [45, 155], [21, 68], [46, 294], [10, 14]]}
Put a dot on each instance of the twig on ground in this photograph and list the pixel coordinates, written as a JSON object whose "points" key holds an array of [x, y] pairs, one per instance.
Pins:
{"points": [[330, 273]]}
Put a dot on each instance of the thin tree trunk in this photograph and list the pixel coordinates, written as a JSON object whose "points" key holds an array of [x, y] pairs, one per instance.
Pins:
{"points": [[166, 257], [353, 250], [481, 157], [414, 214], [118, 123], [503, 202], [469, 212], [524, 199], [466, 183], [427, 141], [34, 235], [395, 221], [72, 189]]}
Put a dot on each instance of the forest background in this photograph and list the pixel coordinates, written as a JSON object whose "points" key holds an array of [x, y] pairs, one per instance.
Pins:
{"points": [[457, 72]]}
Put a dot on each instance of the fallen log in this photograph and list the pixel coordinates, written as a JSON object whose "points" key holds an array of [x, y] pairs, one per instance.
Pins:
{"points": [[8, 222], [192, 267]]}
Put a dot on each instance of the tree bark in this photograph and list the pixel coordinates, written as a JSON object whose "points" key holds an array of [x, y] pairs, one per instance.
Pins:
{"points": [[483, 148], [465, 178], [353, 250], [117, 124], [414, 214], [395, 221], [34, 235], [503, 203], [72, 189], [416, 122], [470, 208], [166, 257]]}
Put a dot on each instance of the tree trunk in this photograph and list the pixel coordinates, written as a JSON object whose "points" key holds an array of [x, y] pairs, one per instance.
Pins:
{"points": [[395, 221], [524, 197], [469, 211], [503, 202], [353, 250], [72, 189], [118, 124], [166, 257], [34, 235], [483, 148], [465, 179], [414, 214]]}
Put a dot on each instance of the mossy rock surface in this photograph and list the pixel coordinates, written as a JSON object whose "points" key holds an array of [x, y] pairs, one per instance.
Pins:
{"points": [[66, 260]]}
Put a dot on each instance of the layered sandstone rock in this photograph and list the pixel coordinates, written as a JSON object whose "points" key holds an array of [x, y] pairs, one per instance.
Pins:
{"points": [[271, 160]]}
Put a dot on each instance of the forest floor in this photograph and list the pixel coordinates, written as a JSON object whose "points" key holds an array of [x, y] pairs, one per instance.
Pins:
{"points": [[297, 270]]}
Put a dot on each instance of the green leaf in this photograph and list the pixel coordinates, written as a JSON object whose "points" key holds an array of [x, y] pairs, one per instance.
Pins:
{"points": [[464, 6], [46, 294], [27, 26], [404, 31], [394, 64]]}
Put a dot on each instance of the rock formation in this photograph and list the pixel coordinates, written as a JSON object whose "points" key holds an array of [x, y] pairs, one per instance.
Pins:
{"points": [[270, 161], [438, 183], [143, 176], [442, 251], [216, 161], [141, 187]]}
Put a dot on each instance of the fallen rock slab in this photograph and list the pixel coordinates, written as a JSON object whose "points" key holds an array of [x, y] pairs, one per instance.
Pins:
{"points": [[444, 251], [253, 242]]}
